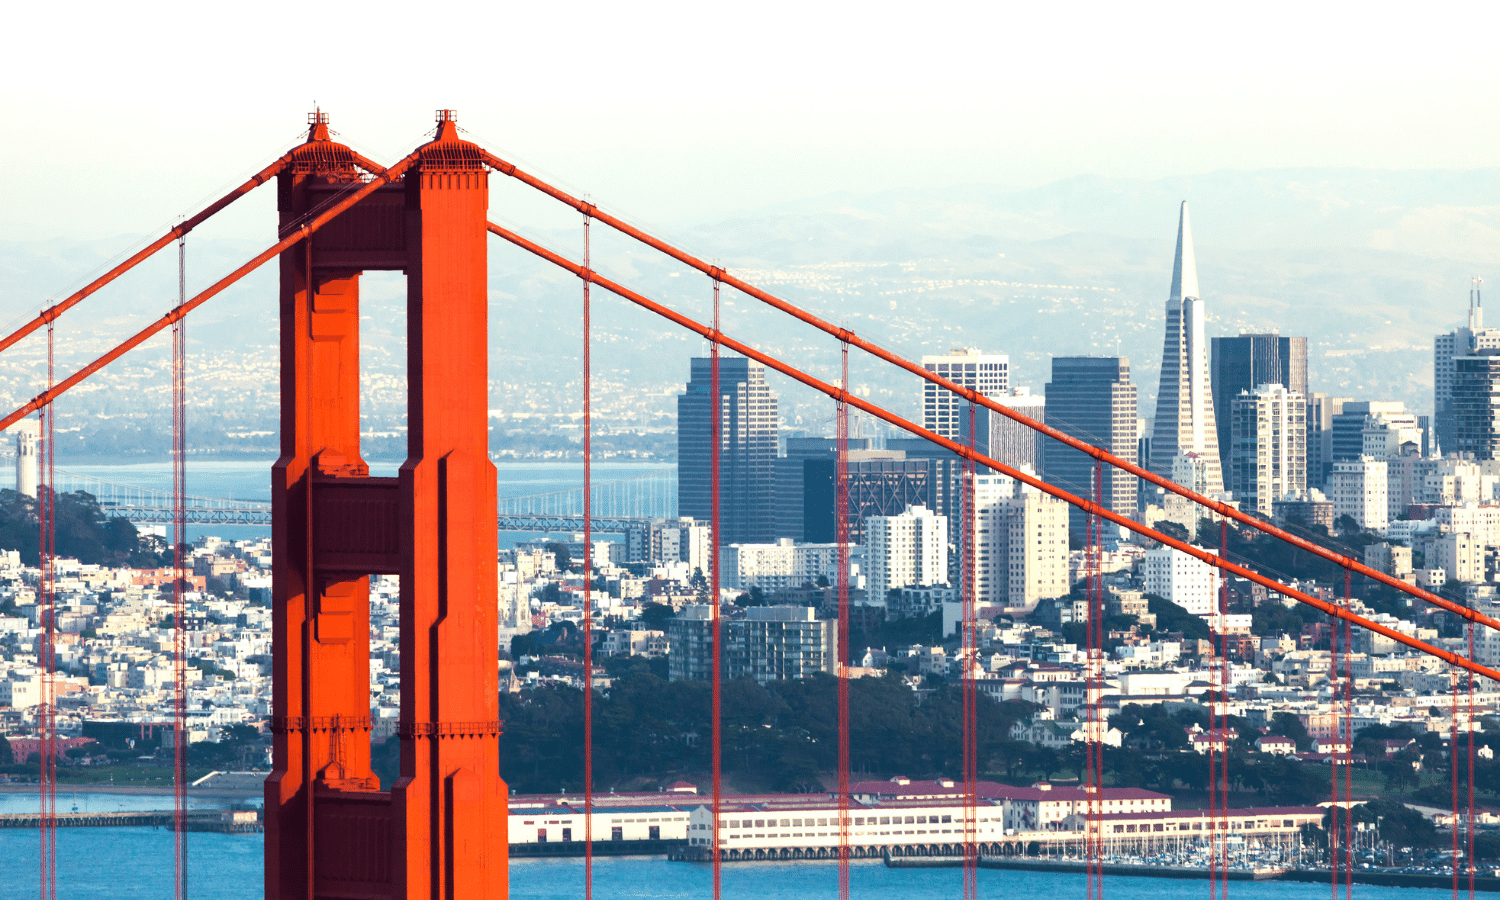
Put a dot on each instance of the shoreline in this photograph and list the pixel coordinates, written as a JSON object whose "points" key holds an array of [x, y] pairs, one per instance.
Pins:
{"points": [[135, 790]]}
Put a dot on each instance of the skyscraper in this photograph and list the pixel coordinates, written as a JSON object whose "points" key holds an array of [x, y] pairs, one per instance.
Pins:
{"points": [[1184, 402], [1244, 363], [1445, 348], [1020, 544], [1267, 446], [747, 449], [1476, 404], [1093, 399], [1321, 409], [987, 373]]}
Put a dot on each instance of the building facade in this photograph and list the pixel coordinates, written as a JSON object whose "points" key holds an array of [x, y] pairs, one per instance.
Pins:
{"points": [[1185, 580], [1094, 400], [988, 373], [1020, 545], [1476, 404], [1267, 446], [746, 410], [776, 566], [1358, 489], [1244, 363], [905, 550]]}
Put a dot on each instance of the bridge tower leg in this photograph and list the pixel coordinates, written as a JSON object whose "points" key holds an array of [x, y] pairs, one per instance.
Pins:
{"points": [[330, 831]]}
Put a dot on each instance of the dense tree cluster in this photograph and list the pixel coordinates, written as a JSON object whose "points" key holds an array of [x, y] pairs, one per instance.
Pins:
{"points": [[84, 532]]}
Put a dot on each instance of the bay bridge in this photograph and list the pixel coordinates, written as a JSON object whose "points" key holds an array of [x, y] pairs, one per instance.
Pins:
{"points": [[440, 832], [617, 505]]}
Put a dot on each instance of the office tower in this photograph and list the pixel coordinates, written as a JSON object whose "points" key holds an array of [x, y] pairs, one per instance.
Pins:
{"points": [[1267, 446], [746, 409], [1004, 439], [1445, 348], [1093, 399], [1020, 544], [1358, 489], [1238, 364], [905, 550], [1476, 404], [881, 483], [791, 478], [1384, 423], [1321, 409], [1184, 402], [943, 410]]}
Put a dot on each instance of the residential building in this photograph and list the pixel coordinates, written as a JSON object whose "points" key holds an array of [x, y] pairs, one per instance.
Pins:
{"points": [[1348, 427], [1092, 399], [1184, 402], [1020, 544], [1185, 580], [1267, 448], [1244, 363], [905, 550], [772, 567], [746, 411], [776, 643], [1357, 488], [1459, 555]]}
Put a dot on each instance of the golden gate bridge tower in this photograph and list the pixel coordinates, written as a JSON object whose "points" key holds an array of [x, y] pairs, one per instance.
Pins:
{"points": [[441, 830]]}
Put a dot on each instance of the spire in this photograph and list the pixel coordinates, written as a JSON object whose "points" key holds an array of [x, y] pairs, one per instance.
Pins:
{"points": [[1185, 269]]}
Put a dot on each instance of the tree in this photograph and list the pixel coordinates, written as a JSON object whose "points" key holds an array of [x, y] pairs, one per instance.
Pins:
{"points": [[561, 554], [655, 616], [1289, 725], [6, 758]]}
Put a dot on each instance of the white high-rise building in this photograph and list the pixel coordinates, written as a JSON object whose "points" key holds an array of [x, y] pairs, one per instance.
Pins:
{"points": [[988, 373], [1358, 489], [905, 550], [1187, 581], [1268, 446], [28, 439], [784, 564], [1020, 545], [1184, 403]]}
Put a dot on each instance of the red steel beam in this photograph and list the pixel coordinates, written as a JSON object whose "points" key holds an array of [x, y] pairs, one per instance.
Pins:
{"points": [[140, 337], [1088, 506], [52, 312], [973, 396]]}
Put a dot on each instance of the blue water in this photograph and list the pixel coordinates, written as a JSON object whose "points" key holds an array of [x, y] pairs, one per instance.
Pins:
{"points": [[135, 864]]}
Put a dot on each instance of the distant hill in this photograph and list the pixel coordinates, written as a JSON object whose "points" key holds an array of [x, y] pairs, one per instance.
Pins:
{"points": [[1367, 264]]}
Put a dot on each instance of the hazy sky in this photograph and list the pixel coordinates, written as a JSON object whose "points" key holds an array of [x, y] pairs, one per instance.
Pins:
{"points": [[122, 116]]}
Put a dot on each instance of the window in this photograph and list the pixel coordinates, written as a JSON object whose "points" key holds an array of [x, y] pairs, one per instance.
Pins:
{"points": [[541, 835], [886, 820], [760, 823], [653, 832], [567, 835], [911, 820], [822, 823], [617, 833]]}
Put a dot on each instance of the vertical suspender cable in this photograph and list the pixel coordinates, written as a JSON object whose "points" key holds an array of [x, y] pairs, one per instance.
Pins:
{"points": [[1469, 828], [588, 593], [1453, 770], [1093, 640], [969, 654], [179, 619], [716, 689], [841, 530], [1333, 768], [1348, 748], [47, 549], [1221, 741]]}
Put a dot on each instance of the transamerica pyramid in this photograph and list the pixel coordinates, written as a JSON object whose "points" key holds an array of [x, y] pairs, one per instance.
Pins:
{"points": [[1184, 441]]}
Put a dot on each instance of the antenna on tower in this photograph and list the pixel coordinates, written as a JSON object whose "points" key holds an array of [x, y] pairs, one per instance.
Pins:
{"points": [[1476, 303]]}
